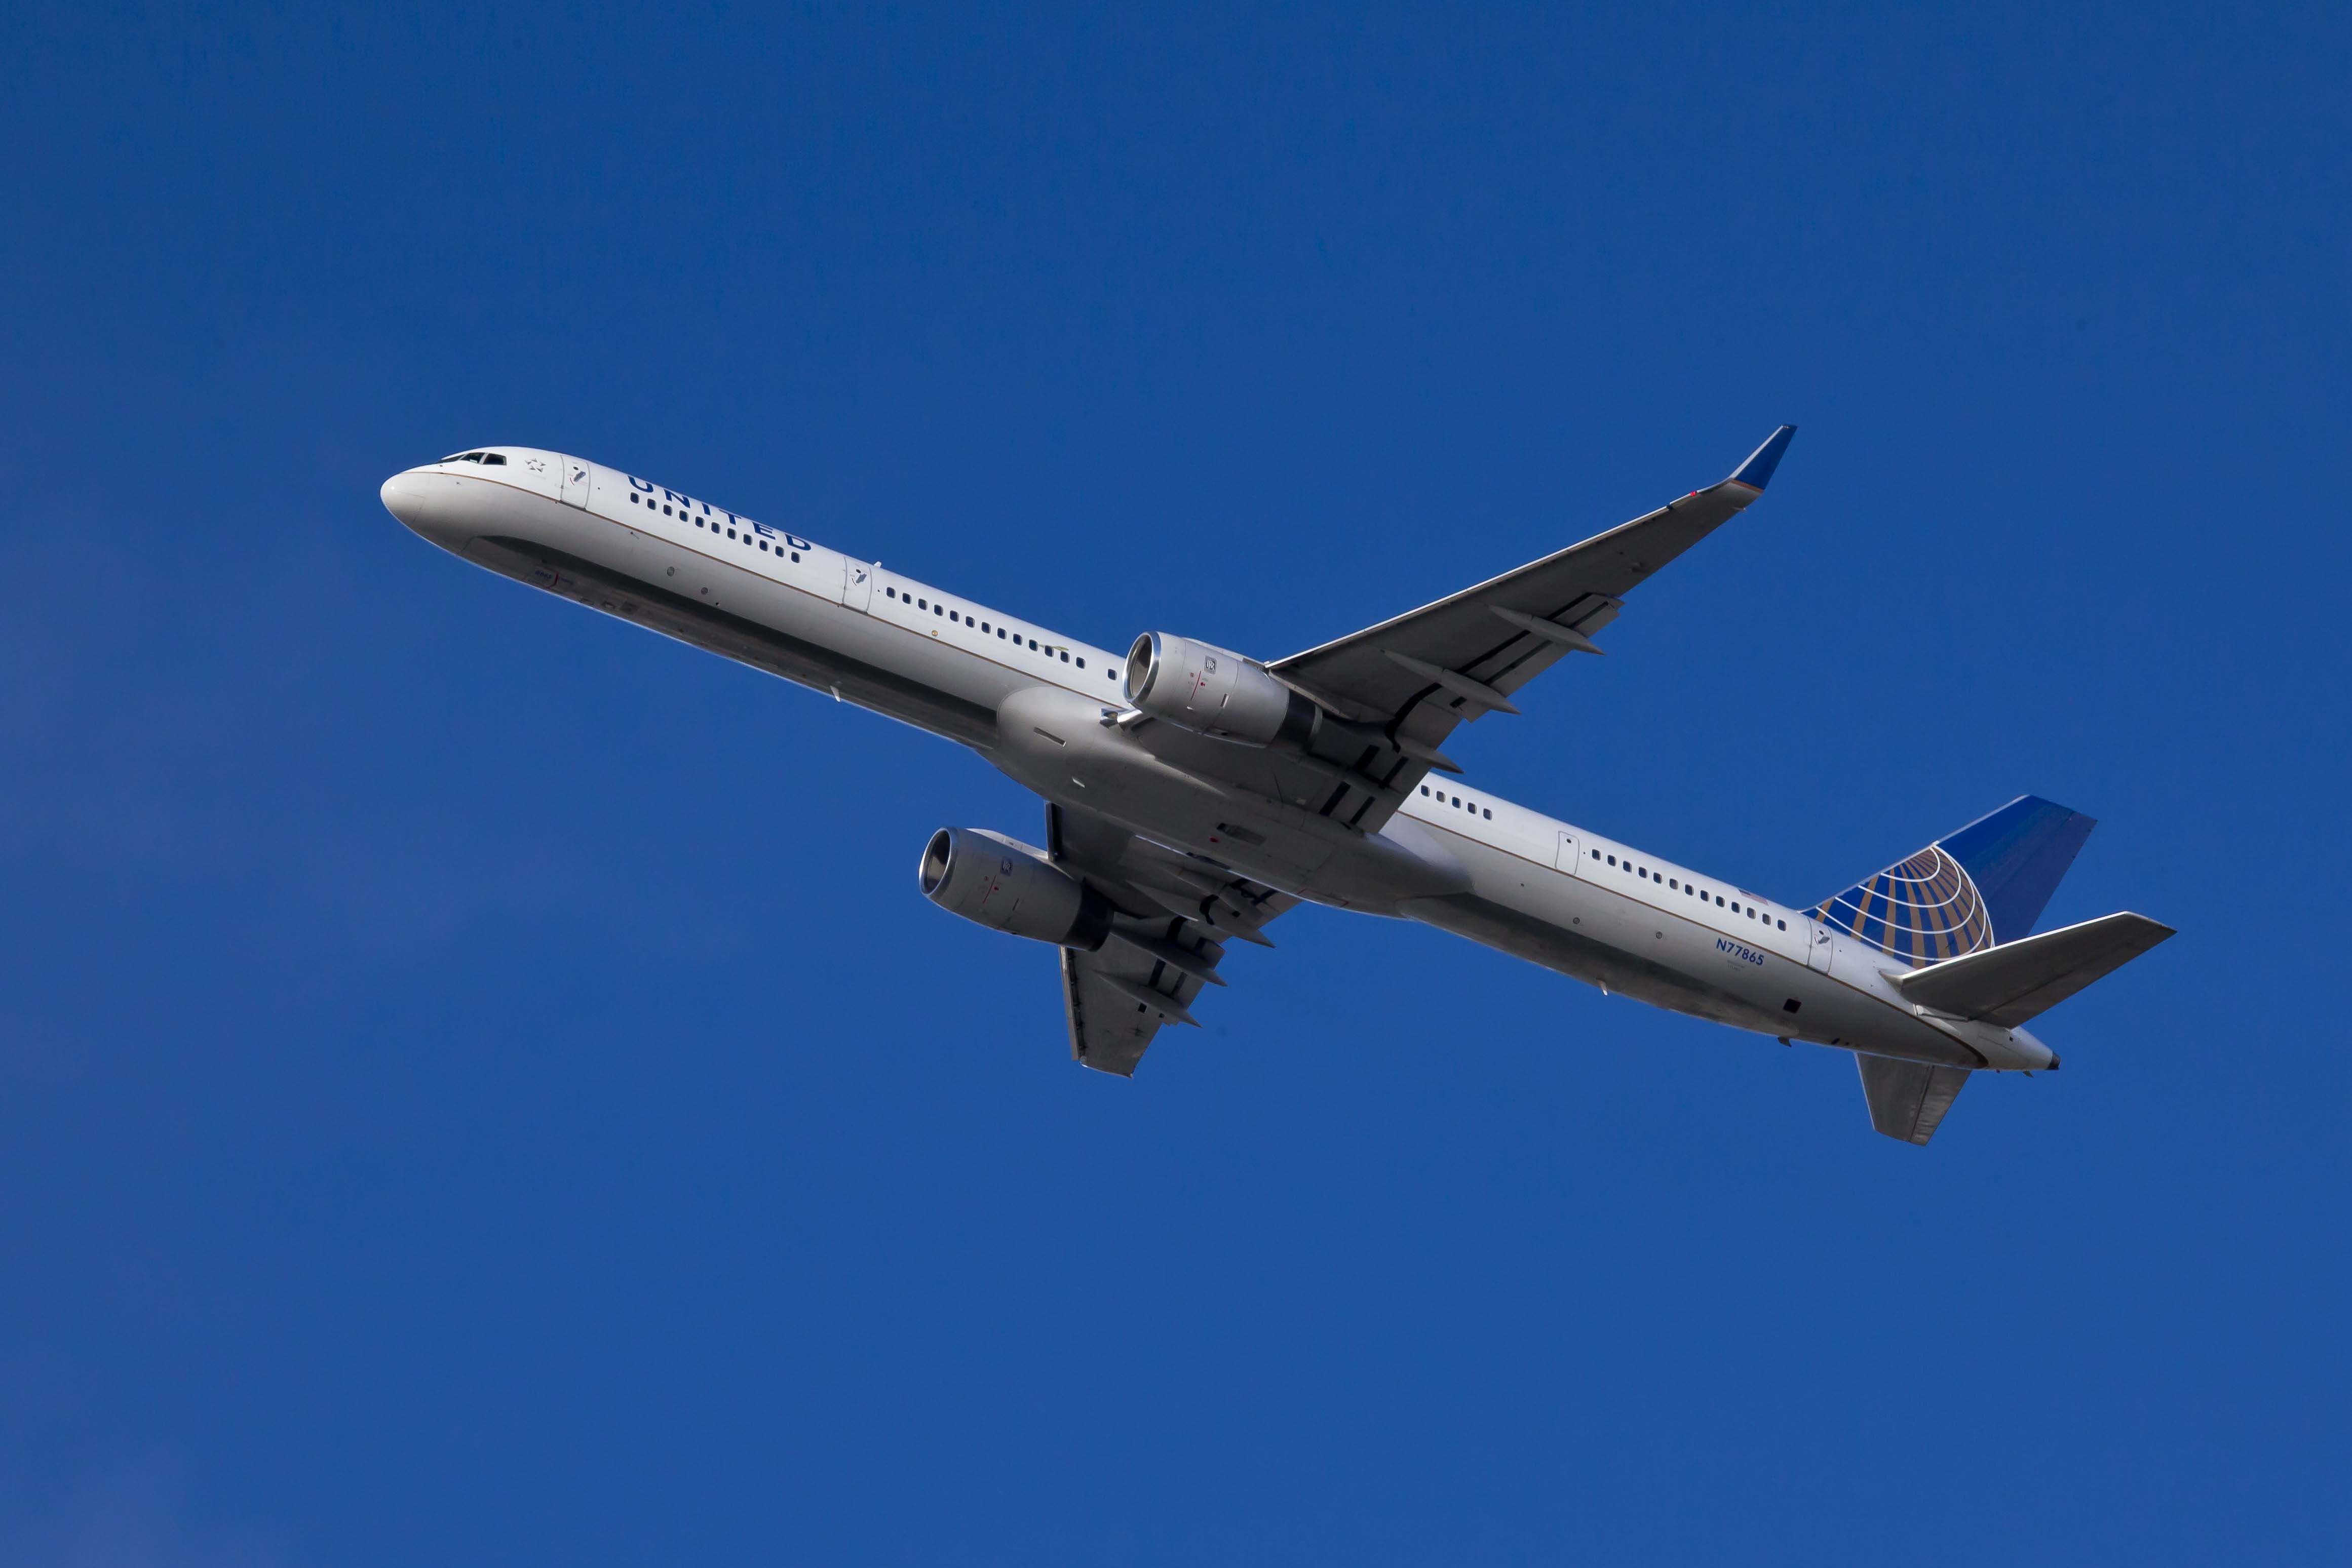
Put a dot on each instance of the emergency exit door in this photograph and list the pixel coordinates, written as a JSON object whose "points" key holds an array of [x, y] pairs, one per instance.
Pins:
{"points": [[575, 483]]}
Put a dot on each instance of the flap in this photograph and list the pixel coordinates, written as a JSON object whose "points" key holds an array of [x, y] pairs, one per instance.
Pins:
{"points": [[1176, 913]]}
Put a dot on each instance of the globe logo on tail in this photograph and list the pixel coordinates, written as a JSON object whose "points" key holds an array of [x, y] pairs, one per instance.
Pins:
{"points": [[1922, 910]]}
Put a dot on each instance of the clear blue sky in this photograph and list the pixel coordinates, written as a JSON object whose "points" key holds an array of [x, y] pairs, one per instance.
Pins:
{"points": [[479, 1084]]}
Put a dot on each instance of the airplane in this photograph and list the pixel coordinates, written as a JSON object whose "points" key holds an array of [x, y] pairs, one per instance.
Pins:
{"points": [[1193, 794]]}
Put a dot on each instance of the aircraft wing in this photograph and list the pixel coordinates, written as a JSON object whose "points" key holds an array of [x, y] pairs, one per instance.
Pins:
{"points": [[1422, 674], [1177, 912]]}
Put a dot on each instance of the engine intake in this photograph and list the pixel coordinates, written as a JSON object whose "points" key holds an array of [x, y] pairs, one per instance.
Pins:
{"points": [[1215, 692], [1006, 885]]}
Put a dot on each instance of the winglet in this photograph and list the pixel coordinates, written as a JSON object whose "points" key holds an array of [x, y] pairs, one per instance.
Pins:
{"points": [[1757, 472]]}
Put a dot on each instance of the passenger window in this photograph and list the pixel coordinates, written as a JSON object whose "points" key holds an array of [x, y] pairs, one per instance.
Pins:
{"points": [[1424, 789], [796, 555], [633, 497], [1490, 815], [1718, 901], [1596, 854], [1082, 664], [999, 633], [1784, 925], [1613, 859], [1065, 656]]}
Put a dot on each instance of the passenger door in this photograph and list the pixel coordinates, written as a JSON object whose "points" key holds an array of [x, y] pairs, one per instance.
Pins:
{"points": [[1817, 957], [575, 483], [1565, 857], [856, 584]]}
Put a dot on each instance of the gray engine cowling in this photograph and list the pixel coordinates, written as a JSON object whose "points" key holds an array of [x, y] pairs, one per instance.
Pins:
{"points": [[1215, 692], [1006, 885]]}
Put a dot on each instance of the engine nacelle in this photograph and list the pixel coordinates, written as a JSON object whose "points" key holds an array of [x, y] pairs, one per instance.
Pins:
{"points": [[1215, 692], [1006, 885]]}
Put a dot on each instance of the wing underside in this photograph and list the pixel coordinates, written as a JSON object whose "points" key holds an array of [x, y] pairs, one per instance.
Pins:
{"points": [[1177, 913]]}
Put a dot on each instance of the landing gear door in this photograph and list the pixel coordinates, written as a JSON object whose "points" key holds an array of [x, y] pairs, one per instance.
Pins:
{"points": [[1565, 858], [1817, 957], [575, 483]]}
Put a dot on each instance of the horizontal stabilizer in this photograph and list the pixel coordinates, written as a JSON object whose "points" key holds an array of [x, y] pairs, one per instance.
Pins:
{"points": [[1908, 1098], [2010, 984]]}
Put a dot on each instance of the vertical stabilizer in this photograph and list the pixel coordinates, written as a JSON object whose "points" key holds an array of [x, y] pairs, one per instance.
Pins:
{"points": [[1984, 884], [2016, 857]]}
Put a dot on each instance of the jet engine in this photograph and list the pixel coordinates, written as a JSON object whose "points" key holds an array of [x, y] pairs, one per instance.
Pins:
{"points": [[1006, 885], [1209, 690]]}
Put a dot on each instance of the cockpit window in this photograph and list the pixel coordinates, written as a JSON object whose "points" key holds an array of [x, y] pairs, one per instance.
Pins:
{"points": [[490, 457], [494, 460]]}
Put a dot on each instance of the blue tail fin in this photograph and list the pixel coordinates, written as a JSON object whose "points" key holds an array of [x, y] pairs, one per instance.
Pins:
{"points": [[1985, 884]]}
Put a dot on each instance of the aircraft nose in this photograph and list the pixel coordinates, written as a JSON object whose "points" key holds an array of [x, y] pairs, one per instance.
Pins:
{"points": [[403, 498]]}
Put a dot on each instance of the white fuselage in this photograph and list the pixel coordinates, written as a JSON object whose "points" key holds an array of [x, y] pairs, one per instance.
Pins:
{"points": [[1034, 701]]}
